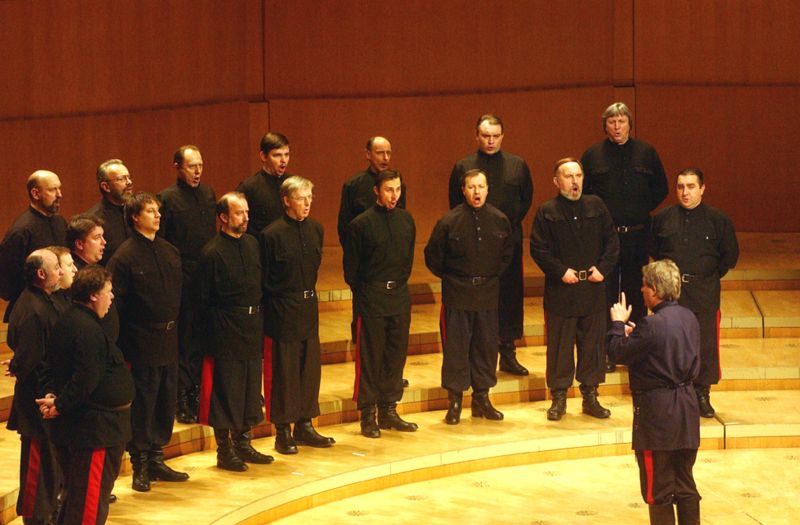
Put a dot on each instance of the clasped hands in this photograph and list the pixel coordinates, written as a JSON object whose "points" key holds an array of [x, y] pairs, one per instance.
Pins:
{"points": [[47, 406], [593, 276]]}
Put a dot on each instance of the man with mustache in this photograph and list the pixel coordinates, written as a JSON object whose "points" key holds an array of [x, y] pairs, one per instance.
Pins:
{"points": [[116, 186], [378, 256], [146, 273], [574, 243], [702, 242], [188, 222], [628, 175], [291, 252], [511, 192], [469, 249], [263, 190], [232, 327], [38, 227]]}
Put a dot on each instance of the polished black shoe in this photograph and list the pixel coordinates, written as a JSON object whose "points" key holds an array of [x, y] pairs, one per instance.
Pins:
{"points": [[305, 434], [591, 406], [508, 360], [112, 498], [226, 456], [284, 443], [704, 401], [611, 366], [389, 419], [160, 471], [369, 427], [453, 415], [482, 407], [559, 405], [184, 413], [662, 514], [243, 446], [141, 473]]}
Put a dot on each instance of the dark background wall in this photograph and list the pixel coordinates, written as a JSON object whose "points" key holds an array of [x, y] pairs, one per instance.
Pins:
{"points": [[712, 84]]}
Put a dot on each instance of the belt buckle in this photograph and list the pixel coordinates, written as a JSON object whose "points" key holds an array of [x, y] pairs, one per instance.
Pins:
{"points": [[391, 285], [308, 294], [477, 281], [623, 229], [685, 277], [251, 310], [169, 326], [582, 275]]}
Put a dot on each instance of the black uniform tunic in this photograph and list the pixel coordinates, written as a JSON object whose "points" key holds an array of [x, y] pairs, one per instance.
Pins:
{"points": [[229, 285], [378, 256], [30, 231], [110, 322], [578, 235], [29, 328], [358, 195], [510, 191], [662, 355], [115, 228], [291, 253], [93, 389], [147, 289], [188, 222], [703, 244], [263, 192], [469, 249]]}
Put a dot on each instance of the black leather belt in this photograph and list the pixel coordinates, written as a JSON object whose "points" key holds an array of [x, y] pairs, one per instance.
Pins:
{"points": [[249, 310], [478, 281], [388, 285], [626, 229], [689, 277], [308, 294], [671, 386], [169, 325]]}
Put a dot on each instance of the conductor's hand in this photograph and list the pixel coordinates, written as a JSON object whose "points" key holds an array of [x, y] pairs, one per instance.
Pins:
{"points": [[621, 311]]}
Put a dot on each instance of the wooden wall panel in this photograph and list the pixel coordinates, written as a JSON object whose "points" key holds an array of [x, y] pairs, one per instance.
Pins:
{"points": [[87, 56], [744, 139], [428, 135], [74, 147], [717, 42], [363, 48]]}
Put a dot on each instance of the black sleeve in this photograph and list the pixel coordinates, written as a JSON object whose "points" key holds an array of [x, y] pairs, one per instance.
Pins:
{"points": [[542, 249], [31, 338], [352, 255], [658, 182], [729, 248], [527, 191], [435, 250], [632, 349], [610, 254], [88, 371], [345, 214], [12, 258], [455, 196]]}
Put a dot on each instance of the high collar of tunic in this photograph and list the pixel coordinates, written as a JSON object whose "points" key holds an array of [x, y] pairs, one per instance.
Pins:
{"points": [[136, 235], [290, 220], [567, 202], [688, 213], [230, 237], [38, 213], [184, 186], [384, 209]]}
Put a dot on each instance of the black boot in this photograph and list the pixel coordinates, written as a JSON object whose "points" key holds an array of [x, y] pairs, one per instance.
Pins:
{"points": [[453, 415], [369, 428], [389, 419], [704, 400], [662, 514], [160, 471], [611, 366], [284, 443], [482, 407], [226, 457], [559, 405], [689, 512], [508, 360], [591, 406], [184, 411], [243, 446], [305, 434], [141, 472]]}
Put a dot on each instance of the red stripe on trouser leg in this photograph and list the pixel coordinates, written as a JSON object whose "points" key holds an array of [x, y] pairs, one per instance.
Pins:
{"points": [[648, 469], [32, 478], [206, 384], [93, 487], [719, 356], [442, 326], [545, 342], [268, 376], [357, 359]]}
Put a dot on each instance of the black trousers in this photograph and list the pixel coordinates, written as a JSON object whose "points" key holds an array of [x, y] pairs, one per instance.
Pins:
{"points": [[88, 484], [666, 476], [627, 275], [512, 291], [295, 380], [564, 333], [469, 345], [39, 478], [190, 360], [710, 368], [381, 348], [153, 408], [231, 393]]}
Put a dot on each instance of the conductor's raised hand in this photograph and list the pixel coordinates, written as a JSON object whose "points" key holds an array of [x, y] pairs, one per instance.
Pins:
{"points": [[621, 311]]}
